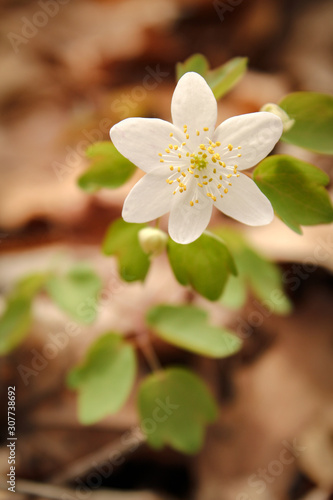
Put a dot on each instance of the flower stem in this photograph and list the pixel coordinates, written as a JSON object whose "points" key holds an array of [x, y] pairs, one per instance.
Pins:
{"points": [[149, 353]]}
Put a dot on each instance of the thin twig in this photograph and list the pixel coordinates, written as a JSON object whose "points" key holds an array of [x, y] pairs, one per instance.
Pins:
{"points": [[126, 444], [53, 492]]}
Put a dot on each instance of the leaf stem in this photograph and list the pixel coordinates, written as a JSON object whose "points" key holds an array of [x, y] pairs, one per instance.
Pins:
{"points": [[149, 353]]}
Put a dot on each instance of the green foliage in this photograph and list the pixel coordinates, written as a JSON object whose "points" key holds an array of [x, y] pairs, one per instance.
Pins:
{"points": [[30, 285], [105, 378], [187, 327], [205, 264], [174, 407], [109, 168], [15, 323], [296, 191], [221, 79], [76, 293], [313, 115], [122, 241], [254, 271]]}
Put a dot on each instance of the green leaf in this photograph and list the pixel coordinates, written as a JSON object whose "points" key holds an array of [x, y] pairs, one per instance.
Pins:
{"points": [[197, 63], [221, 79], [204, 264], [263, 277], [76, 293], [296, 191], [30, 285], [109, 169], [175, 406], [105, 378], [313, 115], [187, 327], [15, 323], [224, 78], [122, 241]]}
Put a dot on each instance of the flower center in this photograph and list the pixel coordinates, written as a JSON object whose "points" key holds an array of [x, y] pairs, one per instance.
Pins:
{"points": [[207, 171], [199, 162]]}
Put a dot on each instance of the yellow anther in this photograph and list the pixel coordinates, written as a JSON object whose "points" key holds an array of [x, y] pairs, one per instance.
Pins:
{"points": [[197, 132], [162, 161], [237, 175], [179, 155], [200, 185], [191, 203], [214, 170], [178, 169], [181, 190], [191, 171], [210, 142], [219, 186], [185, 126], [197, 201], [226, 190], [171, 146], [210, 150], [239, 155], [204, 155], [174, 192], [206, 129], [218, 143], [230, 147], [213, 198], [205, 183], [239, 147], [187, 136], [171, 134], [187, 154], [167, 150], [183, 143], [178, 179], [196, 176], [204, 177], [223, 164], [229, 175], [202, 146], [214, 160], [209, 195], [210, 180], [171, 168], [175, 147], [229, 183], [192, 154], [220, 177], [183, 174], [160, 154]]}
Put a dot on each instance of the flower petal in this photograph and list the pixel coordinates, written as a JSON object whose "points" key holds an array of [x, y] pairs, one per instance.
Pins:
{"points": [[149, 199], [140, 140], [256, 133], [187, 223], [193, 104], [246, 203]]}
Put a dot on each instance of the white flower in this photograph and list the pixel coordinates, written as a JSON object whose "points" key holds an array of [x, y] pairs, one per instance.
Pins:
{"points": [[190, 166]]}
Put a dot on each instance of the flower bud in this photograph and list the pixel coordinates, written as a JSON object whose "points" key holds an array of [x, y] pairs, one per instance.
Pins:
{"points": [[152, 241], [276, 110]]}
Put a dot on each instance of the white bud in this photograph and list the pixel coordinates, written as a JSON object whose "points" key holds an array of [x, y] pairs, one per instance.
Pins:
{"points": [[152, 240], [276, 110]]}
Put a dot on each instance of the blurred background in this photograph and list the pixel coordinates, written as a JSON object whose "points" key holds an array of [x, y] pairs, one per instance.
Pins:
{"points": [[70, 69]]}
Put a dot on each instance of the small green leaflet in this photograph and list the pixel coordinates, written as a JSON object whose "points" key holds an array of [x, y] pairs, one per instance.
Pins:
{"points": [[104, 379], [109, 169], [205, 264], [30, 285], [121, 240], [187, 327], [15, 323], [221, 79], [296, 190], [76, 293], [313, 115], [175, 406], [263, 277]]}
